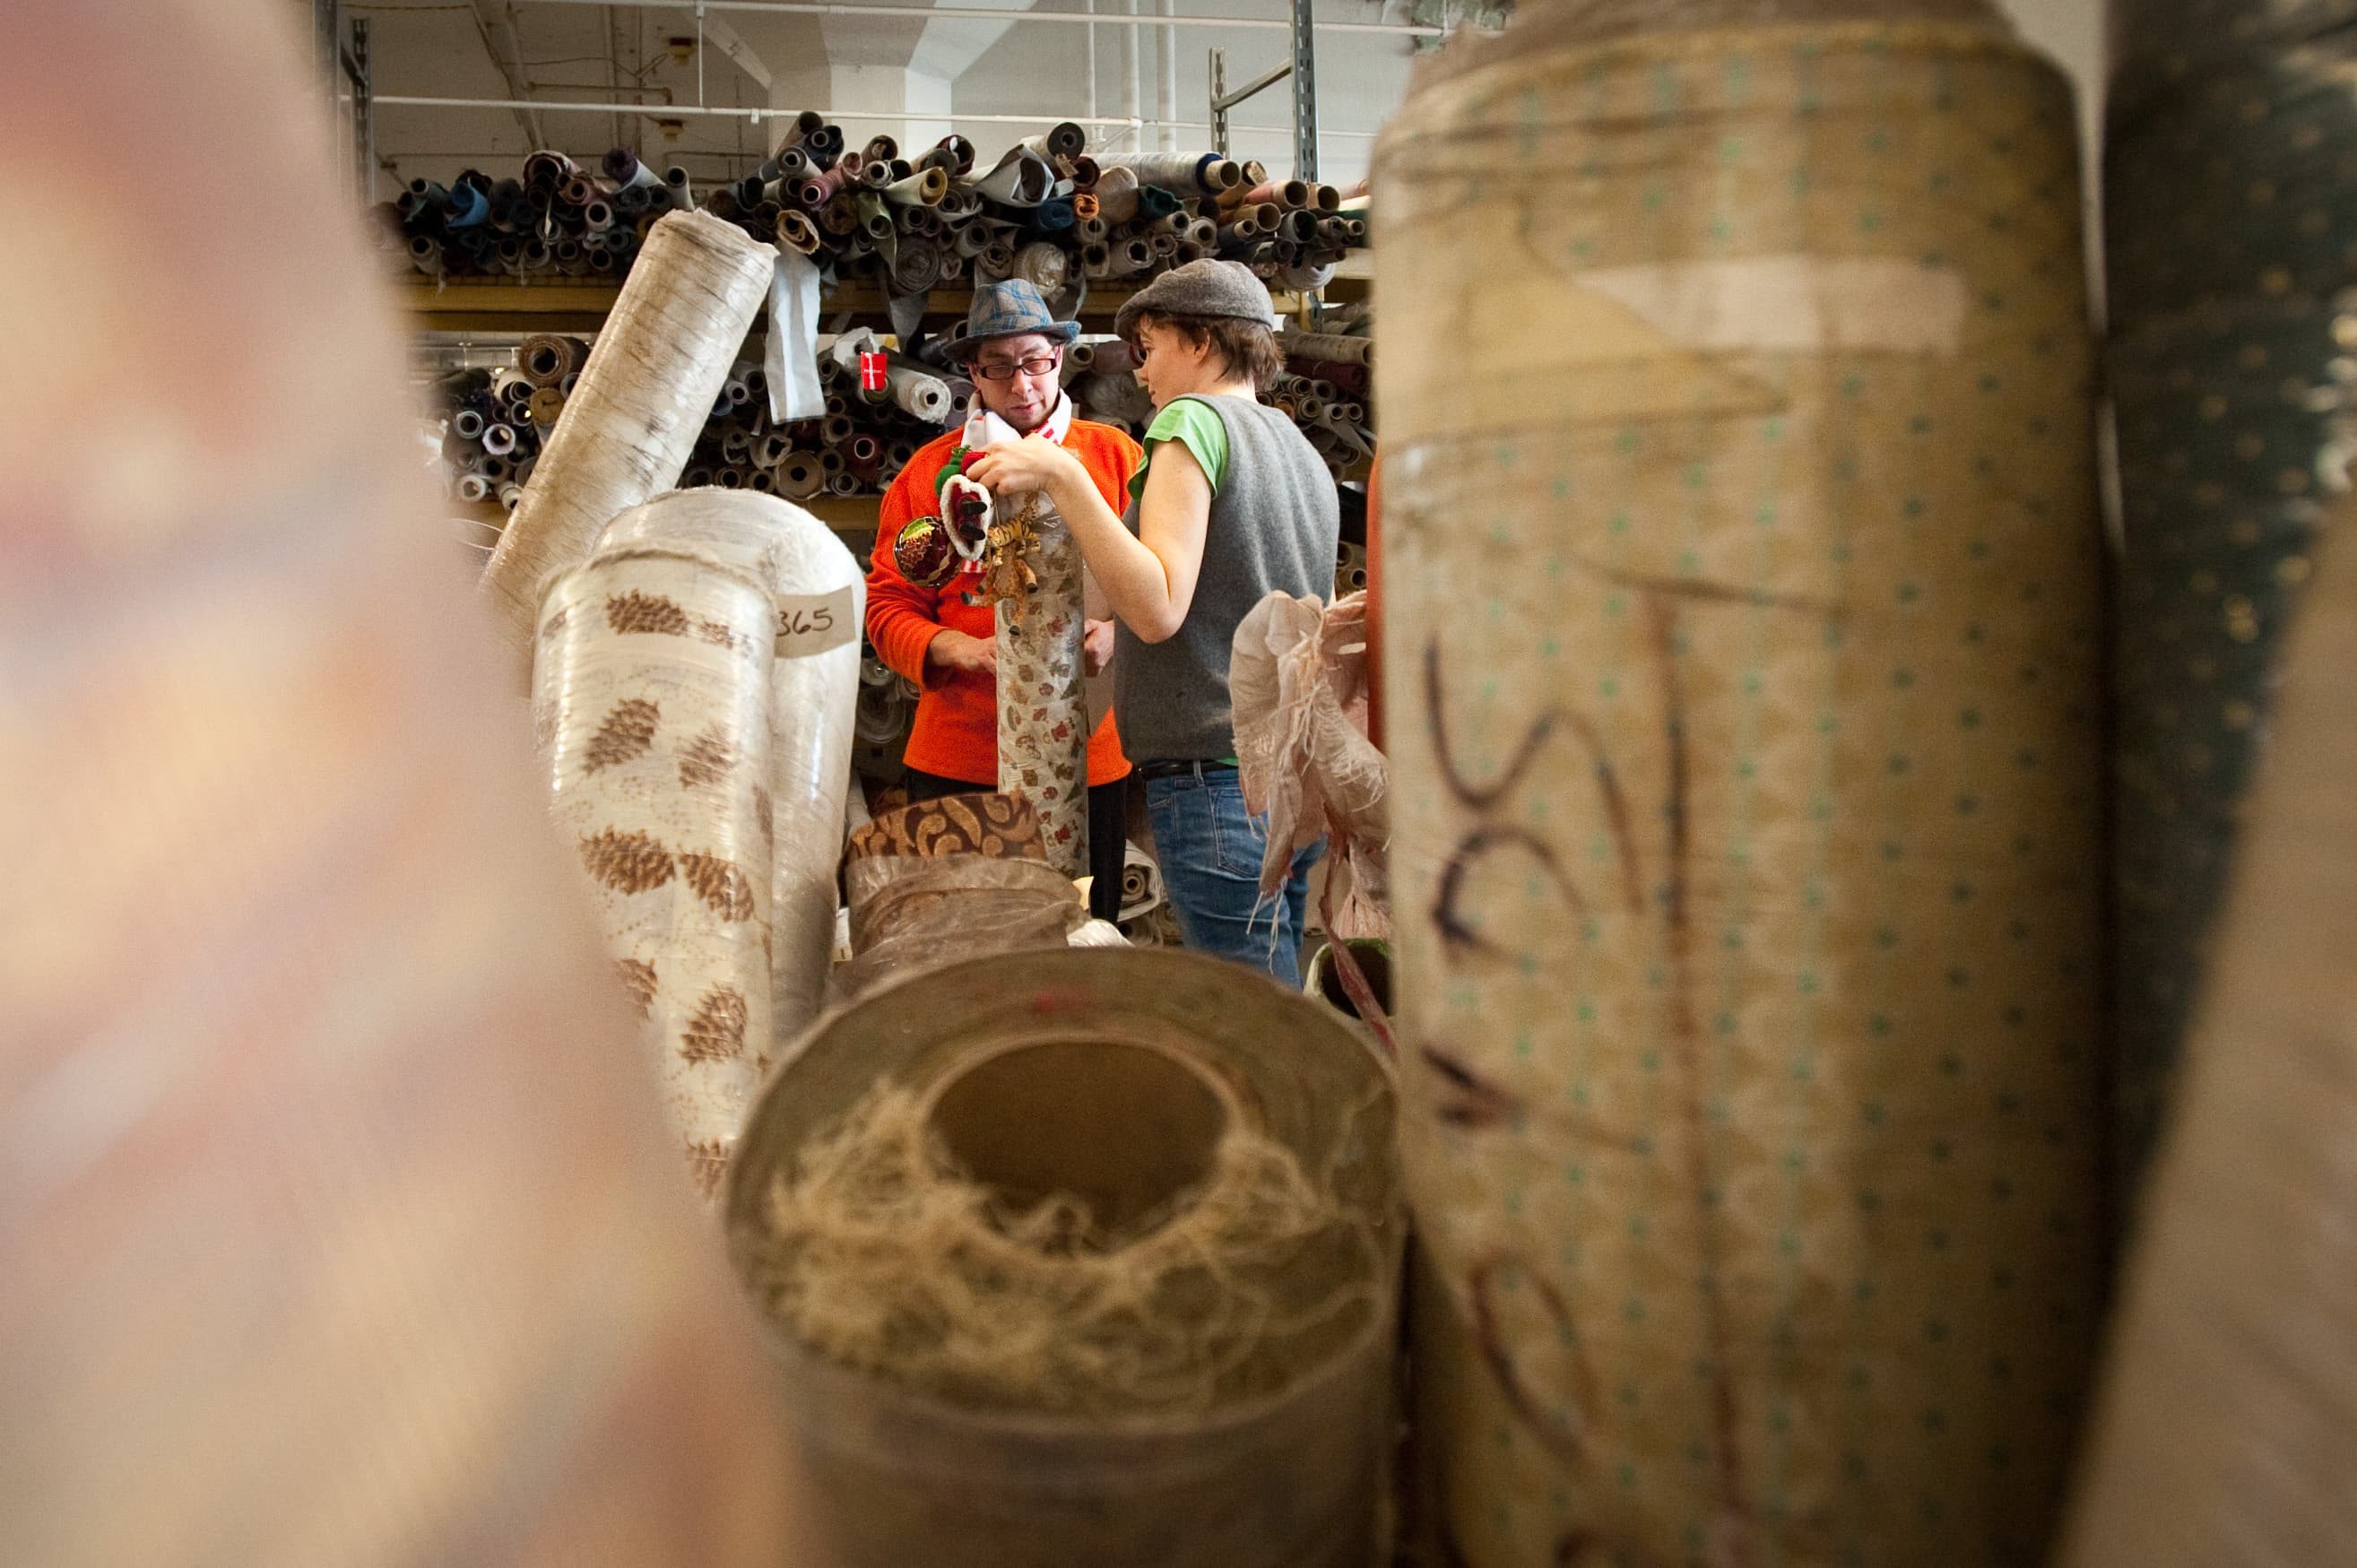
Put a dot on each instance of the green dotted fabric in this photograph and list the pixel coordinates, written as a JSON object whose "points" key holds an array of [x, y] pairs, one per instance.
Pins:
{"points": [[1743, 703], [2228, 197]]}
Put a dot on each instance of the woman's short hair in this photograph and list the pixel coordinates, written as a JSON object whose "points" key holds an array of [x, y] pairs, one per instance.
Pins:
{"points": [[1247, 349]]}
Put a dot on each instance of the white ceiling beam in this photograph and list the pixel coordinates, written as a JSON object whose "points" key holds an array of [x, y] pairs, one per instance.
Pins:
{"points": [[495, 19], [860, 9], [729, 42]]}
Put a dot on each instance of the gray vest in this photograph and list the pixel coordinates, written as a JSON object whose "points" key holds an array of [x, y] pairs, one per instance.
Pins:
{"points": [[1275, 523]]}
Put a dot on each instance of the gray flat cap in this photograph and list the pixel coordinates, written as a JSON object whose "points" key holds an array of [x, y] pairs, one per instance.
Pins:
{"points": [[1207, 287]]}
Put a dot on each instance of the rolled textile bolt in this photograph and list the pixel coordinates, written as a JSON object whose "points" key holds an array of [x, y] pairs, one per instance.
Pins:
{"points": [[547, 407], [1354, 413], [1254, 172], [901, 453], [797, 232], [1221, 173], [1085, 209], [696, 477], [1082, 356], [920, 393], [971, 239], [1299, 227], [952, 266], [872, 176], [1523, 1472], [799, 476], [839, 217], [940, 158], [764, 218], [806, 126], [733, 445], [1116, 194], [1203, 232], [830, 461], [660, 360], [770, 449], [880, 149], [1113, 356], [1239, 237], [1064, 140], [924, 189], [1309, 408], [599, 214], [546, 170], [959, 202], [815, 190], [1090, 231], [544, 358], [723, 202], [386, 995], [510, 495], [1325, 197], [1055, 215], [1164, 246], [652, 684], [1153, 202], [499, 439], [997, 261], [863, 453], [838, 429], [1042, 264], [1304, 276], [1085, 172], [729, 477], [874, 217], [604, 262], [495, 468], [1328, 345], [578, 190], [1293, 193], [625, 169], [425, 255], [825, 143], [474, 487], [959, 148], [844, 483], [1134, 258], [468, 424], [793, 164], [510, 387], [961, 390], [748, 191], [916, 268]]}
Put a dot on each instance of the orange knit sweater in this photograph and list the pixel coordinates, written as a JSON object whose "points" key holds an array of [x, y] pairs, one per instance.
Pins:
{"points": [[956, 730]]}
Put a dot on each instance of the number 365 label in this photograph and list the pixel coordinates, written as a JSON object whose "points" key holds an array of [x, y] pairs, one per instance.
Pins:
{"points": [[813, 623]]}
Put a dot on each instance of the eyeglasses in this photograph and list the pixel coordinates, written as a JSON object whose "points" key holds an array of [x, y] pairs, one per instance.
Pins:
{"points": [[1038, 367]]}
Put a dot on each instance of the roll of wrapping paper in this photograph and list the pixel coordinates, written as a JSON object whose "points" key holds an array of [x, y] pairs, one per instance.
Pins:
{"points": [[1043, 711], [2226, 182], [1175, 1056], [819, 595], [654, 679], [2228, 1428], [1750, 1026], [645, 392], [338, 1228]]}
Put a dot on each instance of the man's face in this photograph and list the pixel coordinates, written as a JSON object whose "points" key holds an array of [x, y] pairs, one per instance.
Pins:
{"points": [[1024, 400]]}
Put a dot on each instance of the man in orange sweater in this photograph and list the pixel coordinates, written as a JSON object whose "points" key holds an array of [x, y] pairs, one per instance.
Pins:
{"points": [[941, 637]]}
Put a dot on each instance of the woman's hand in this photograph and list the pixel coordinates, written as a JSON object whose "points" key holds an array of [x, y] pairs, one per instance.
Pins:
{"points": [[1034, 463]]}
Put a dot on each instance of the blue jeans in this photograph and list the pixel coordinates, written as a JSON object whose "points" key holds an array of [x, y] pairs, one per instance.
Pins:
{"points": [[1209, 849]]}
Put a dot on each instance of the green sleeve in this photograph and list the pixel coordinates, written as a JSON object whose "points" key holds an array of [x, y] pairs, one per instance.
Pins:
{"points": [[1192, 422]]}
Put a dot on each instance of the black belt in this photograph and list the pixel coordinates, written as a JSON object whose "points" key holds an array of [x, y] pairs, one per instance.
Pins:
{"points": [[1181, 769]]}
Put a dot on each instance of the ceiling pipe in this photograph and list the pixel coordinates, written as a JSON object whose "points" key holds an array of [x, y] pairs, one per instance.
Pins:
{"points": [[978, 13]]}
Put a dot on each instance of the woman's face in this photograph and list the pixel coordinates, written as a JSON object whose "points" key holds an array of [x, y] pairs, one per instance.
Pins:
{"points": [[1167, 365]]}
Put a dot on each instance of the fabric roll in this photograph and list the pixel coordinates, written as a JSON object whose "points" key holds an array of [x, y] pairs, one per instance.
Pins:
{"points": [[650, 383], [2228, 1430], [1043, 711], [1181, 1356], [338, 1226], [1749, 732], [2232, 160], [653, 677], [819, 595]]}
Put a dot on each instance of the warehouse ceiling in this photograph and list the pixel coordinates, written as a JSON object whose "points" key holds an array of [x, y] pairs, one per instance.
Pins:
{"points": [[662, 59], [669, 62]]}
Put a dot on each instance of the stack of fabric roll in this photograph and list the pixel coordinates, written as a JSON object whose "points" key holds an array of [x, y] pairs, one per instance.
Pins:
{"points": [[1046, 212]]}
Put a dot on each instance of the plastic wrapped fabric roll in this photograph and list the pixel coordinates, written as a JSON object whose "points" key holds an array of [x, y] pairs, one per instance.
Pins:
{"points": [[914, 913], [820, 597], [654, 676], [644, 395], [2230, 336], [1137, 1093], [339, 1228], [2228, 1428], [1749, 987], [1043, 711]]}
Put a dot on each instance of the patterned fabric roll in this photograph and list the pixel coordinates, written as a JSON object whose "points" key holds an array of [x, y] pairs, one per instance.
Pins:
{"points": [[1043, 712], [1742, 577], [2231, 167], [1003, 826], [655, 672]]}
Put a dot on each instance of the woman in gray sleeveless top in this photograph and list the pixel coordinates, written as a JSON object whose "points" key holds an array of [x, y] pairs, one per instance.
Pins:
{"points": [[1233, 504]]}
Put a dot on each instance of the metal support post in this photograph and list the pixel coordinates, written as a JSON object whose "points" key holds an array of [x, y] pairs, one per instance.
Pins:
{"points": [[1305, 93], [1222, 100], [356, 67]]}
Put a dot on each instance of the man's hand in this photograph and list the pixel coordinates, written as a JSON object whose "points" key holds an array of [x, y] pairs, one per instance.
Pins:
{"points": [[1096, 646], [956, 650]]}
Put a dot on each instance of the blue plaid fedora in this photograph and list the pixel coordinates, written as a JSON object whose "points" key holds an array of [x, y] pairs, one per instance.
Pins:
{"points": [[1010, 309]]}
